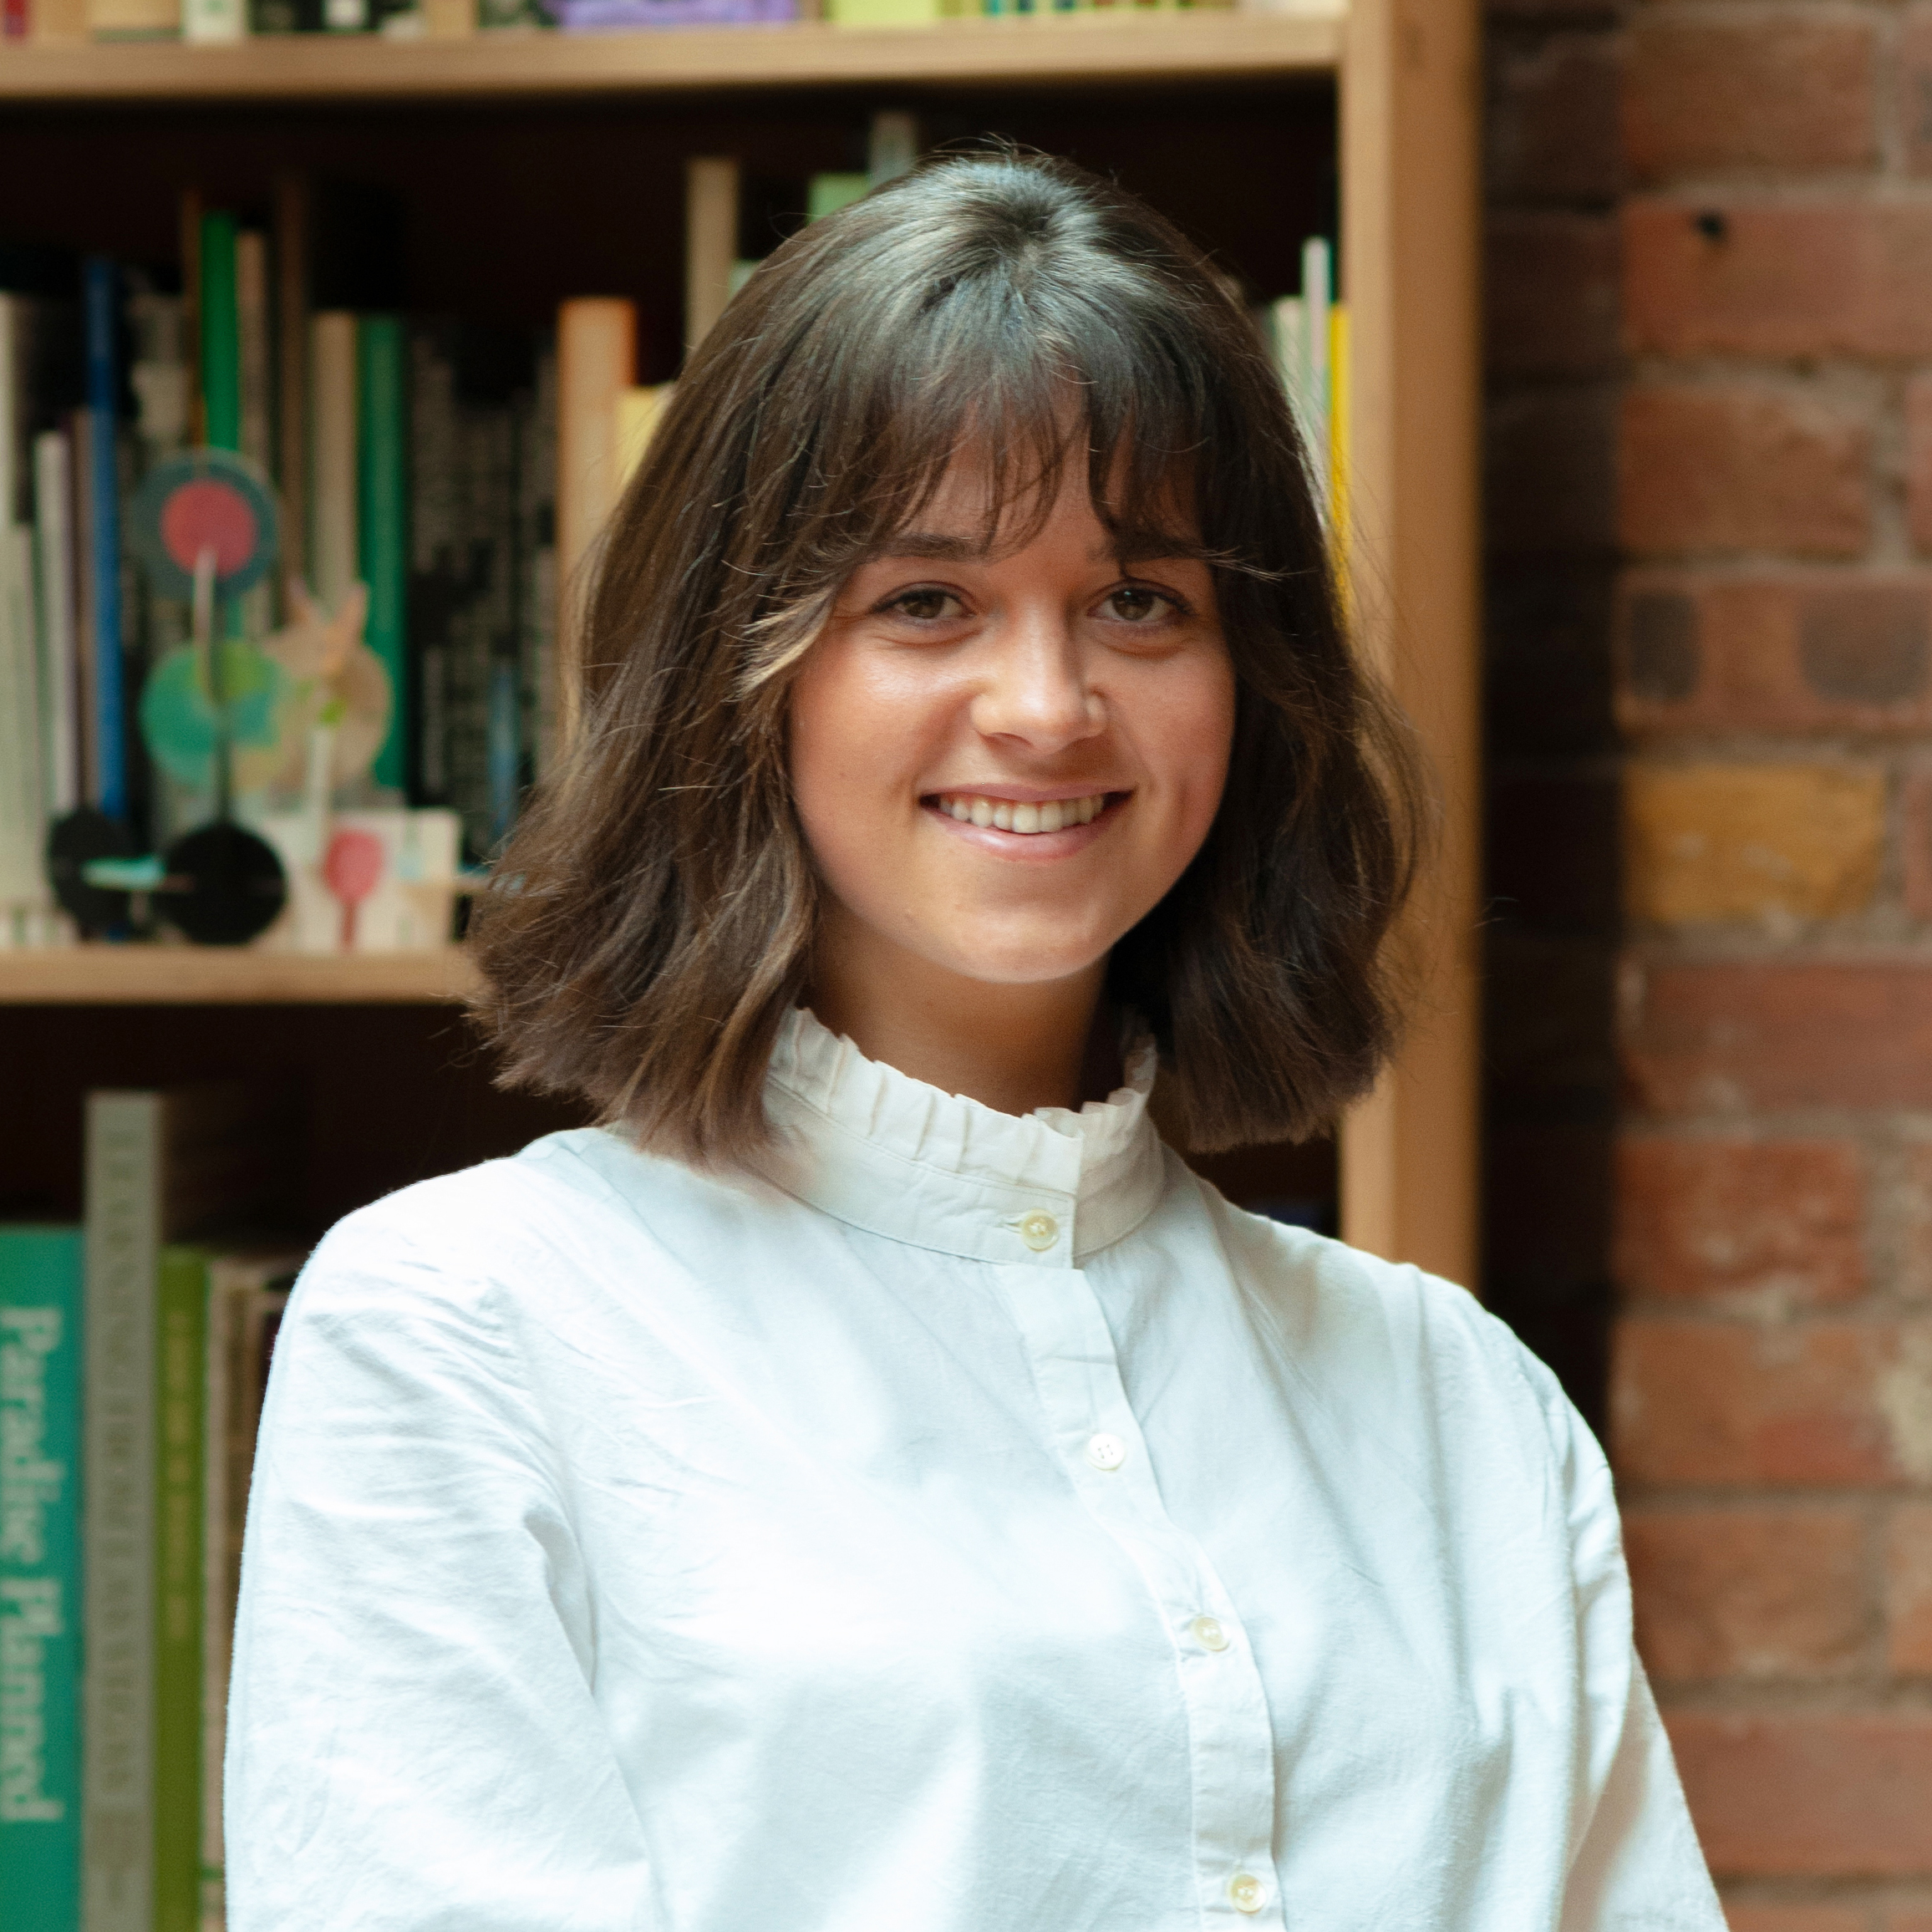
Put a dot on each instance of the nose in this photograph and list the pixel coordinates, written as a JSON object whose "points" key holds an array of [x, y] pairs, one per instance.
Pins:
{"points": [[1035, 689]]}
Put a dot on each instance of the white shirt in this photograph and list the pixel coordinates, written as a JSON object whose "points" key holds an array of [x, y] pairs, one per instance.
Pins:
{"points": [[969, 1524]]}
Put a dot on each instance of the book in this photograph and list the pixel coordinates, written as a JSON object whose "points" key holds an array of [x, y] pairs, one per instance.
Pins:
{"points": [[220, 334], [710, 244], [108, 726], [596, 352], [40, 1578], [247, 1292], [291, 355], [213, 20], [162, 1167], [826, 194], [382, 519], [333, 558], [53, 586], [251, 346], [1317, 292]]}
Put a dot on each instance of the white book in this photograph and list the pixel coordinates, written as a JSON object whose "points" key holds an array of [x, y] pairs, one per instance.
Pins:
{"points": [[124, 1213], [58, 638], [332, 503], [214, 20], [1316, 296]]}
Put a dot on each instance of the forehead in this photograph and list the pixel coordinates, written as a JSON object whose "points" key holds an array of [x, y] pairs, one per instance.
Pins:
{"points": [[978, 504]]}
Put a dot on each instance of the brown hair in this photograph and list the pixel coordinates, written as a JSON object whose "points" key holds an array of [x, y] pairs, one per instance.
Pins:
{"points": [[652, 916]]}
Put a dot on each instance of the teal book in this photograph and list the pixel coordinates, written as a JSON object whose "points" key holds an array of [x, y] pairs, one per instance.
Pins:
{"points": [[382, 517], [181, 1379], [40, 1608]]}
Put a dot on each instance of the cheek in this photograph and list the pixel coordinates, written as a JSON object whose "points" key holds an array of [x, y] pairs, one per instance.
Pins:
{"points": [[1187, 738]]}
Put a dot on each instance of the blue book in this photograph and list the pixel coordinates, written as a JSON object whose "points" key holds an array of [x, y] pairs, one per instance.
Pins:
{"points": [[40, 1607], [102, 296]]}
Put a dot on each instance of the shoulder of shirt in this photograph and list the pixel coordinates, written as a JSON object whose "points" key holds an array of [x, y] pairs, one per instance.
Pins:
{"points": [[506, 1220], [1335, 1300]]}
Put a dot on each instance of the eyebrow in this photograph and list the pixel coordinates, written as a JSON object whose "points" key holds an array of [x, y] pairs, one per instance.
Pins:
{"points": [[1138, 546]]}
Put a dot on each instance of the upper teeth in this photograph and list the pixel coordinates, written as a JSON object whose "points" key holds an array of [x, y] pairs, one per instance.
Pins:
{"points": [[1056, 814]]}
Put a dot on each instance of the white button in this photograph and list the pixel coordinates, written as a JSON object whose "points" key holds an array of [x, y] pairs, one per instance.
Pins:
{"points": [[1106, 1452], [1247, 1891], [1210, 1634], [1038, 1229]]}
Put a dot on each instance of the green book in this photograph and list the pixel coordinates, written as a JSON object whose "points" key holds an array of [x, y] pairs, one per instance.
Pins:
{"points": [[382, 517], [180, 1372], [220, 333], [40, 1607]]}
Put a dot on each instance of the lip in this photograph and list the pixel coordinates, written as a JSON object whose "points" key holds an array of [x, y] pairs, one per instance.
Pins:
{"points": [[1025, 794], [1039, 847]]}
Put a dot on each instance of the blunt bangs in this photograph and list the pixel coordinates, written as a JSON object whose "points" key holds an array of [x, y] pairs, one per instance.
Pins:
{"points": [[1017, 310]]}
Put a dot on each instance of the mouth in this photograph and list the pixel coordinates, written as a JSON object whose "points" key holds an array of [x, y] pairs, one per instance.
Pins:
{"points": [[1030, 818]]}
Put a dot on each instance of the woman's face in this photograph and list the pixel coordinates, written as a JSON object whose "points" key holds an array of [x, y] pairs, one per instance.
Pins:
{"points": [[1002, 761]]}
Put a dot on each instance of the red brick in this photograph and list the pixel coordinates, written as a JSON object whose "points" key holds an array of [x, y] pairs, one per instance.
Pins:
{"points": [[1795, 1919], [1768, 1222], [1726, 1038], [1814, 1795], [1758, 1593], [1911, 1198], [1794, 652], [1747, 92], [1908, 1590], [1912, 67], [1742, 467], [1550, 294], [1919, 461], [1780, 279], [1714, 1403], [1552, 129]]}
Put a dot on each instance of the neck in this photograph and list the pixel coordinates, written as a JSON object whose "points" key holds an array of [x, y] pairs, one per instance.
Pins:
{"points": [[1010, 1048]]}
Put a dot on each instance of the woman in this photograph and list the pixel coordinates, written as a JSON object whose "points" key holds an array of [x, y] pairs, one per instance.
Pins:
{"points": [[868, 1481]]}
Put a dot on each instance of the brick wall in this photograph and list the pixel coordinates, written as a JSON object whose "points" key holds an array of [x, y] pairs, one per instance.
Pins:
{"points": [[1711, 359]]}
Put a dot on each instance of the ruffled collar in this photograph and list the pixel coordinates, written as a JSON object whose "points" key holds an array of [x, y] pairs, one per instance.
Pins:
{"points": [[873, 1147]]}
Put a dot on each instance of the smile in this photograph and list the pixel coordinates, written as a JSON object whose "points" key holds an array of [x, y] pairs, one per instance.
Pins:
{"points": [[1004, 814]]}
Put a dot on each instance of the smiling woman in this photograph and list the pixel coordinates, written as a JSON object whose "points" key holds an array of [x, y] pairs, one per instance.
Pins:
{"points": [[868, 1483]]}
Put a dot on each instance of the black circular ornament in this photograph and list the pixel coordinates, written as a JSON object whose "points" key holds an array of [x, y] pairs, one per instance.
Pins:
{"points": [[223, 885]]}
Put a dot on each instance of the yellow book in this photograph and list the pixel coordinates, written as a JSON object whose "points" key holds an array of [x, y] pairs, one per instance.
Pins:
{"points": [[1338, 429]]}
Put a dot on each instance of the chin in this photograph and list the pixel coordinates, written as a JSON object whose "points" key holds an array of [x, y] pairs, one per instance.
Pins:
{"points": [[1019, 962]]}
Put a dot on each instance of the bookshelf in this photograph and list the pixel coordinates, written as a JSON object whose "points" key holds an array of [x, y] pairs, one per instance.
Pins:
{"points": [[1218, 116]]}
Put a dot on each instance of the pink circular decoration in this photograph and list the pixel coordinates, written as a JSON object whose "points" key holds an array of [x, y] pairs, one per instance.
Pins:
{"points": [[208, 514]]}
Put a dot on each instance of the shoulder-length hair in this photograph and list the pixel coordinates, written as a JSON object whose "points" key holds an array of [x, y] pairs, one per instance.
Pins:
{"points": [[653, 917]]}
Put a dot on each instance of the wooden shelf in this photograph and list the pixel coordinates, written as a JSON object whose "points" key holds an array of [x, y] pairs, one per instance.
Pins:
{"points": [[211, 976], [1011, 51]]}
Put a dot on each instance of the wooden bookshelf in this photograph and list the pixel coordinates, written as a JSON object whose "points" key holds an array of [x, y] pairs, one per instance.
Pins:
{"points": [[1033, 51], [1403, 77], [221, 976]]}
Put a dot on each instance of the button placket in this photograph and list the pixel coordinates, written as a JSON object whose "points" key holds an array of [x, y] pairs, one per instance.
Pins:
{"points": [[1231, 1746]]}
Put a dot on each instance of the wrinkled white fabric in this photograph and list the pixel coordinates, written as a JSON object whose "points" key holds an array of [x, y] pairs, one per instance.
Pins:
{"points": [[827, 1550]]}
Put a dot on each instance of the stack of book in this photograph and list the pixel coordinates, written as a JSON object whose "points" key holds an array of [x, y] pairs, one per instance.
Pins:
{"points": [[134, 1356], [230, 20]]}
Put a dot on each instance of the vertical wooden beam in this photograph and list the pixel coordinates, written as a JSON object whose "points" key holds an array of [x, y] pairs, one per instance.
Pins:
{"points": [[1410, 214]]}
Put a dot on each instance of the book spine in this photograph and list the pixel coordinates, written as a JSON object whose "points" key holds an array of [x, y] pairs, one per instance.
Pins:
{"points": [[220, 334], [40, 1343], [181, 1356], [80, 521], [332, 502], [291, 260], [213, 20], [1340, 428], [123, 1149], [103, 324], [382, 519], [1317, 288], [22, 811], [220, 1431], [251, 344], [597, 354], [59, 665]]}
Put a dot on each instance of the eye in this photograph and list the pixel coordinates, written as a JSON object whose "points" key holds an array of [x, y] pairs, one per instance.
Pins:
{"points": [[1135, 603], [927, 605]]}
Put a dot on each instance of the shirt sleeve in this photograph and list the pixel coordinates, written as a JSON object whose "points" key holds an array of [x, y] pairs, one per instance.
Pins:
{"points": [[414, 1745], [1636, 1865]]}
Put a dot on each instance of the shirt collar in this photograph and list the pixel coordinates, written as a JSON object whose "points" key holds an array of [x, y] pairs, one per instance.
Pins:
{"points": [[873, 1147]]}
